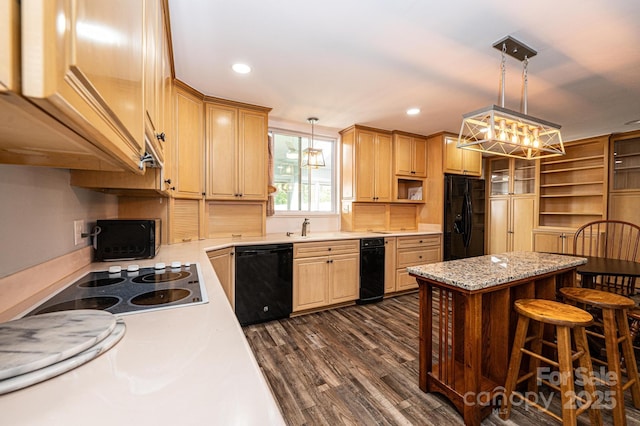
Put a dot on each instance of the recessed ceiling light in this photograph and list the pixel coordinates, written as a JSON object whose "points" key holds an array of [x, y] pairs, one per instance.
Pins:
{"points": [[413, 111], [241, 68]]}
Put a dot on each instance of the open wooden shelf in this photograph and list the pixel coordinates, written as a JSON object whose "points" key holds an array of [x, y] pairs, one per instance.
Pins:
{"points": [[573, 188], [572, 169], [552, 185], [586, 194], [573, 159]]}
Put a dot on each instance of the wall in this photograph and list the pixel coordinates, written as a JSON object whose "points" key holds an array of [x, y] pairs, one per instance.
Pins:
{"points": [[37, 212]]}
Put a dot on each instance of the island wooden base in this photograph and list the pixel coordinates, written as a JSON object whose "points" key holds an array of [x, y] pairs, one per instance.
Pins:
{"points": [[466, 337]]}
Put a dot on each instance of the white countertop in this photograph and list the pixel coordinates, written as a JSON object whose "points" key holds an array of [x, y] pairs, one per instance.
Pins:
{"points": [[476, 273], [189, 365]]}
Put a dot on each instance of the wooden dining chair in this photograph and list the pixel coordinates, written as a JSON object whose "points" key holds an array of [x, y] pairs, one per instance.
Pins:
{"points": [[612, 239]]}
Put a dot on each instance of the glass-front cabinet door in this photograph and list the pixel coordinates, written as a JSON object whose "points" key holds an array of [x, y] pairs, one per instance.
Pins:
{"points": [[499, 168], [512, 176], [626, 164], [524, 176]]}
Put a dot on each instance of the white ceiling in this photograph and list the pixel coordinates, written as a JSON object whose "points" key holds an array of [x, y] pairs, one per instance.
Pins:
{"points": [[366, 62]]}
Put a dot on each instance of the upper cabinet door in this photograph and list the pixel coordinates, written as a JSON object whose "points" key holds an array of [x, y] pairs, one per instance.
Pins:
{"points": [[253, 150], [9, 45], [403, 154], [420, 157], [365, 165], [221, 135], [188, 146], [461, 161], [83, 63], [410, 155], [382, 173]]}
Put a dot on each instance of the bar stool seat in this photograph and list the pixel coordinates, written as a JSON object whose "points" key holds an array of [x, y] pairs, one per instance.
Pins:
{"points": [[566, 319], [615, 325]]}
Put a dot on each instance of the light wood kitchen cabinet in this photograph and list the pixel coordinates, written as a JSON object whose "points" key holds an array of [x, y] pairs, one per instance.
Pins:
{"points": [[366, 164], [553, 241], [413, 251], [325, 273], [511, 223], [237, 151], [185, 219], [409, 154], [460, 161], [35, 137], [223, 264], [187, 151], [225, 219], [389, 264], [511, 205], [371, 217], [155, 75], [158, 117], [624, 195], [82, 63]]}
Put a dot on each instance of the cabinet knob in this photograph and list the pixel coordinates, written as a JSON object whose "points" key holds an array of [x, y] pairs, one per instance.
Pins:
{"points": [[160, 136], [173, 188], [167, 181], [419, 257], [420, 241], [413, 172], [329, 249]]}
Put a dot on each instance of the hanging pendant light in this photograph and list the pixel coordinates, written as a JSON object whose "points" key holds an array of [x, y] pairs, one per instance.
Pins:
{"points": [[312, 157], [501, 131]]}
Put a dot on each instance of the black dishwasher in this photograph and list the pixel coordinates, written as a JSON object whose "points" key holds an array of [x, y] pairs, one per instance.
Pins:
{"points": [[264, 282], [371, 270]]}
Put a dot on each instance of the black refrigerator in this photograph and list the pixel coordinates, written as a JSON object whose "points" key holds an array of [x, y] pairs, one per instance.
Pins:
{"points": [[463, 217]]}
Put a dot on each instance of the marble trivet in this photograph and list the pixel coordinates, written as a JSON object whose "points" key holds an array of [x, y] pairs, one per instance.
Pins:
{"points": [[31, 343], [37, 376]]}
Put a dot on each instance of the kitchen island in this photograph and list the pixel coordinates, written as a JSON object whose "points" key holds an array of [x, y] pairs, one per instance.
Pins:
{"points": [[467, 322]]}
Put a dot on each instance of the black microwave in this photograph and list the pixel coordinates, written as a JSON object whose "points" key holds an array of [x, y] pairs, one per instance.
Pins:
{"points": [[125, 239]]}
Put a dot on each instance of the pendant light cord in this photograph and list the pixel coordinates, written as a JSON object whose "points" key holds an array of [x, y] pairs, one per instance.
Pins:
{"points": [[502, 73]]}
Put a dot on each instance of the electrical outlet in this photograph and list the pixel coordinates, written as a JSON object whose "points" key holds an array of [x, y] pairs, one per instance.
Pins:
{"points": [[78, 229]]}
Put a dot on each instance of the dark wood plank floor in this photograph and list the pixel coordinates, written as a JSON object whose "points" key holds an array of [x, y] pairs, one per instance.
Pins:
{"points": [[359, 366]]}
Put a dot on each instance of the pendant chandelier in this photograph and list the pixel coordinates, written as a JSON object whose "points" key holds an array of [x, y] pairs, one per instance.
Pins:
{"points": [[312, 157], [500, 131]]}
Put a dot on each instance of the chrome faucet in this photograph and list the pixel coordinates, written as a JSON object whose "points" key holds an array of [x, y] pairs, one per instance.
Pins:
{"points": [[305, 227]]}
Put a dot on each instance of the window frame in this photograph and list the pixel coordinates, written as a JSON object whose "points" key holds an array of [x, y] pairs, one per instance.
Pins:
{"points": [[334, 175]]}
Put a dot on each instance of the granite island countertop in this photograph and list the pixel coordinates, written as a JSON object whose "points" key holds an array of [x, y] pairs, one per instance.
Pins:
{"points": [[477, 273]]}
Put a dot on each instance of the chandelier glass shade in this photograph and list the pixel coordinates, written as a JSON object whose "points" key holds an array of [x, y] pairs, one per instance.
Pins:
{"points": [[497, 130], [312, 157]]}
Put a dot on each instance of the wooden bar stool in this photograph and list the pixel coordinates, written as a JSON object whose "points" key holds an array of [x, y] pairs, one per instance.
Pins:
{"points": [[565, 318], [615, 327]]}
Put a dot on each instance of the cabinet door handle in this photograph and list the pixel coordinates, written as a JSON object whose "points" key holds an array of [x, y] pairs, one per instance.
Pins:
{"points": [[329, 249], [160, 136]]}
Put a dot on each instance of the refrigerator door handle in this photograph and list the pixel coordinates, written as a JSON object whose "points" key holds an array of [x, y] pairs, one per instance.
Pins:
{"points": [[466, 219]]}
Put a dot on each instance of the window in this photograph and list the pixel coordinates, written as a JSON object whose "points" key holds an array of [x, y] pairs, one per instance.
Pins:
{"points": [[302, 189]]}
